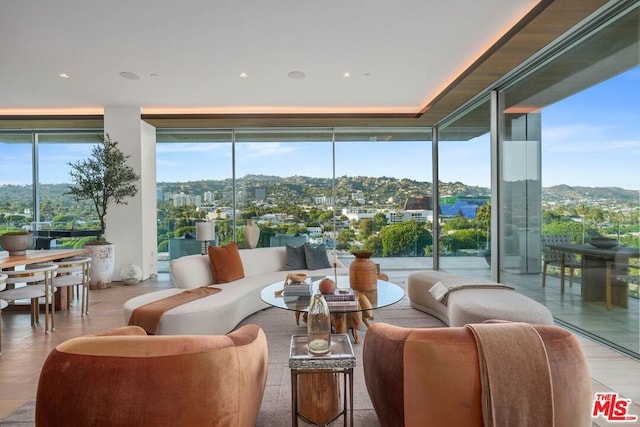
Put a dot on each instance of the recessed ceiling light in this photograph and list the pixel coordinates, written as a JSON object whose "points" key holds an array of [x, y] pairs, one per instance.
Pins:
{"points": [[296, 75], [153, 75], [64, 75], [244, 75], [129, 75], [346, 75]]}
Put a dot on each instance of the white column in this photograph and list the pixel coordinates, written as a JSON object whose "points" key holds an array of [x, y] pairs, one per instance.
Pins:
{"points": [[132, 227]]}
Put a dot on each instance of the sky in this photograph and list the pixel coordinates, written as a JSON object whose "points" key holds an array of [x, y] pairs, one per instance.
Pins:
{"points": [[589, 139]]}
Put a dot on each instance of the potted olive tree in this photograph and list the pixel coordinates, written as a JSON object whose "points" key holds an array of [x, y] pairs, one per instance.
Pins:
{"points": [[103, 178]]}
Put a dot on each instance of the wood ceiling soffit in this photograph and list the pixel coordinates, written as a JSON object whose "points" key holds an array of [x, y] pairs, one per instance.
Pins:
{"points": [[51, 122], [542, 25], [222, 121]]}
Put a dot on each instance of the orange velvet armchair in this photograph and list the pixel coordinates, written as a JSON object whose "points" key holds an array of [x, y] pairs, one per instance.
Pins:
{"points": [[125, 378], [433, 377]]}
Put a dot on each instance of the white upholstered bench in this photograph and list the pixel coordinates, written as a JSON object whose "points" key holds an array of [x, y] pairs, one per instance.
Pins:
{"points": [[471, 305]]}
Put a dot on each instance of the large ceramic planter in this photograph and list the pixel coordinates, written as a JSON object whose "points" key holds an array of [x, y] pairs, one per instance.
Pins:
{"points": [[102, 265], [16, 244]]}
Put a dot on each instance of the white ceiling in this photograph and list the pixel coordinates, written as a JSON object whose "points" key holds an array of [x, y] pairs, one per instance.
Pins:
{"points": [[189, 53]]}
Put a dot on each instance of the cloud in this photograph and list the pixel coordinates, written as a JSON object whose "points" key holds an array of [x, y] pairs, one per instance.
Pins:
{"points": [[264, 149], [585, 138], [168, 163]]}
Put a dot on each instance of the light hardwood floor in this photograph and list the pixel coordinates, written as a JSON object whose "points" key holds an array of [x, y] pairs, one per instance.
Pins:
{"points": [[24, 347]]}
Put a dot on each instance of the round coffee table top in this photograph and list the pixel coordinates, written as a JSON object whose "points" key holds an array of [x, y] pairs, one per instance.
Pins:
{"points": [[387, 294]]}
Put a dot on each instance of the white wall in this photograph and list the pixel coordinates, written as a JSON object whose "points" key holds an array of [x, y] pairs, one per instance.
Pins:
{"points": [[132, 227]]}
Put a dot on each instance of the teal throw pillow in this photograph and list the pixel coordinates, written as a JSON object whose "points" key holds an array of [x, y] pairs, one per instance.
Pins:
{"points": [[296, 259], [316, 257]]}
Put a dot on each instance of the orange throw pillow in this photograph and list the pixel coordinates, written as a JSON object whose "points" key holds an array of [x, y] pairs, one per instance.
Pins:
{"points": [[225, 263]]}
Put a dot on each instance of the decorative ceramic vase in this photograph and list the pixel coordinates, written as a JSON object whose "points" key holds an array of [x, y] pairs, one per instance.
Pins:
{"points": [[318, 326], [102, 265], [363, 275], [16, 244], [251, 234], [131, 274]]}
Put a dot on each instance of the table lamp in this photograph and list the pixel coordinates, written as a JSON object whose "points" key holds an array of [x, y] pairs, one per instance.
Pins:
{"points": [[205, 232]]}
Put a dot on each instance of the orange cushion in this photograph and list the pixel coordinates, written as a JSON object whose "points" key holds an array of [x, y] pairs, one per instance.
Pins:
{"points": [[226, 263]]}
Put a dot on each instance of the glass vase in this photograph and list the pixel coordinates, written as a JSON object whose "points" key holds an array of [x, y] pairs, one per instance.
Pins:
{"points": [[318, 326]]}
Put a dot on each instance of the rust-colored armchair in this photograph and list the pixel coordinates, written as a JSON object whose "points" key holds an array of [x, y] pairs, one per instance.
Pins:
{"points": [[432, 377], [125, 378]]}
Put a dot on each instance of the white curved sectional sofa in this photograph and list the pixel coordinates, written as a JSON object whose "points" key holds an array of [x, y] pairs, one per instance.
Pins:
{"points": [[220, 313]]}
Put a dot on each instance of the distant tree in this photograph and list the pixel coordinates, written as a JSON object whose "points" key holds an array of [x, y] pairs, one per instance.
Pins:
{"points": [[296, 229], [549, 216], [379, 221], [163, 246], [425, 239], [266, 233], [17, 221], [62, 220], [250, 213], [344, 239], [459, 222], [183, 231], [574, 229], [325, 217], [48, 209], [374, 243], [615, 217], [582, 211], [400, 239], [365, 227], [465, 239], [224, 231]]}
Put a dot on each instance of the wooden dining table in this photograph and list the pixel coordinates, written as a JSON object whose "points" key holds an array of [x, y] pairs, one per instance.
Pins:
{"points": [[38, 256], [600, 267]]}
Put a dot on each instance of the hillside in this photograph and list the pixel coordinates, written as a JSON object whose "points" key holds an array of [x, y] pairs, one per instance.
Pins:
{"points": [[300, 189]]}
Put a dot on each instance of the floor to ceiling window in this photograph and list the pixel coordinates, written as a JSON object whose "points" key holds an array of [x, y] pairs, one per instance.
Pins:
{"points": [[384, 196], [282, 180], [284, 184], [570, 151], [194, 183], [42, 159], [464, 169], [58, 213], [16, 182]]}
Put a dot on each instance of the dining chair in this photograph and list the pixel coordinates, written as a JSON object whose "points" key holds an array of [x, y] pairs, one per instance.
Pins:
{"points": [[74, 272], [620, 276], [554, 257], [38, 280]]}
